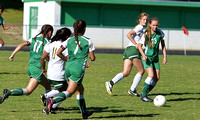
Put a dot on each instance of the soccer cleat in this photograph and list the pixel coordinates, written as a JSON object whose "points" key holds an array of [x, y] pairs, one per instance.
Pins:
{"points": [[43, 100], [85, 116], [108, 87], [133, 93], [146, 99], [49, 105], [5, 95]]}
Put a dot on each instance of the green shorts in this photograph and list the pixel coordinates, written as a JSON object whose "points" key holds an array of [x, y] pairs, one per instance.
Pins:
{"points": [[58, 84], [131, 52], [148, 64], [75, 71], [35, 72]]}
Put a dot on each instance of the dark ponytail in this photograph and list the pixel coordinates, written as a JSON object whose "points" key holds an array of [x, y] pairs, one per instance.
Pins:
{"points": [[79, 29], [61, 34]]}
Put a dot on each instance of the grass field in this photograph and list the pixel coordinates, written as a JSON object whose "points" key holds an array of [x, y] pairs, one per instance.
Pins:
{"points": [[179, 83]]}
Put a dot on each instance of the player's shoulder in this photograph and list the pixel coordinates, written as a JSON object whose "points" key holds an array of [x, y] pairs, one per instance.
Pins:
{"points": [[160, 32], [84, 37]]}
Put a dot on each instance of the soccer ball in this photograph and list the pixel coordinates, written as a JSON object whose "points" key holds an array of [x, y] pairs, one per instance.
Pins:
{"points": [[159, 101]]}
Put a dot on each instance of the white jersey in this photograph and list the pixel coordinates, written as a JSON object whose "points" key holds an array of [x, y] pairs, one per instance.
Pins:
{"points": [[56, 66], [139, 29]]}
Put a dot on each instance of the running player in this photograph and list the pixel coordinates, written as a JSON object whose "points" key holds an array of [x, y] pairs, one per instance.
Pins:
{"points": [[2, 23], [56, 66], [78, 47], [34, 69], [131, 57], [151, 39]]}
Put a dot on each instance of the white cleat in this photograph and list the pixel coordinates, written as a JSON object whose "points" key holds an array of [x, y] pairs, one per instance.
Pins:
{"points": [[108, 87]]}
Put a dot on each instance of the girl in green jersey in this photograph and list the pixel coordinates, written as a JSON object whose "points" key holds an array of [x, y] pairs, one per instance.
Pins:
{"points": [[34, 68], [3, 25], [151, 39], [78, 48]]}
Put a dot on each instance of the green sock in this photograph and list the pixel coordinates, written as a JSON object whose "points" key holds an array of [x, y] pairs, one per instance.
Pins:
{"points": [[16, 92], [82, 106], [145, 89], [60, 97]]}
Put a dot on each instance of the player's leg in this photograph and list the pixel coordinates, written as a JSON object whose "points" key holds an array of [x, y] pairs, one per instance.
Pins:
{"points": [[155, 78], [126, 71], [138, 64], [1, 42]]}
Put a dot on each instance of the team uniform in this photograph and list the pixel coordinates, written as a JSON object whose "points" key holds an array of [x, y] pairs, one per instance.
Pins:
{"points": [[131, 51], [36, 51], [1, 23], [152, 52], [56, 66], [75, 68]]}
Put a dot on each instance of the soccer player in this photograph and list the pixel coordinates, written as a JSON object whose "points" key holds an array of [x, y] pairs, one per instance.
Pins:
{"points": [[56, 66], [3, 25], [78, 47], [150, 58], [34, 68], [131, 57]]}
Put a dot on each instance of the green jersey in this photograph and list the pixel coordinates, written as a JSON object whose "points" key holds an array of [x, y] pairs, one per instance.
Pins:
{"points": [[152, 51], [74, 52], [1, 21], [36, 50]]}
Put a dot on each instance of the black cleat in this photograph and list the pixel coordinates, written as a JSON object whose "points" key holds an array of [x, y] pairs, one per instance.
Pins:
{"points": [[85, 116], [43, 100], [133, 93], [146, 99], [5, 95]]}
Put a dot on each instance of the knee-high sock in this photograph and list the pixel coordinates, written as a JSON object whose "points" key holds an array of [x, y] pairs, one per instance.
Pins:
{"points": [[81, 103], [152, 85], [51, 93], [136, 81], [18, 92], [146, 86], [117, 78], [61, 97]]}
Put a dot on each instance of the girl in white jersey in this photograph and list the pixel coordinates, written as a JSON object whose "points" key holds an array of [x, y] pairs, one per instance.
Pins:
{"points": [[131, 57], [56, 66]]}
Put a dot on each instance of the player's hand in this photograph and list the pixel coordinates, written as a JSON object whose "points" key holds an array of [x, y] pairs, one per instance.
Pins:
{"points": [[88, 65], [164, 61], [44, 71], [11, 58], [144, 58], [11, 26]]}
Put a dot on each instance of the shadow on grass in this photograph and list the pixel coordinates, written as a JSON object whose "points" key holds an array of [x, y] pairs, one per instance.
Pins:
{"points": [[173, 93], [8, 73]]}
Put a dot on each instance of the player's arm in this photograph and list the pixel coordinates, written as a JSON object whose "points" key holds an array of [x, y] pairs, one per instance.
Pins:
{"points": [[164, 51], [144, 57], [7, 27], [129, 35], [42, 61], [17, 49], [59, 54]]}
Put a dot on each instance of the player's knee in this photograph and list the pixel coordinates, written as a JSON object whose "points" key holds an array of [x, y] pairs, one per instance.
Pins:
{"points": [[125, 74]]}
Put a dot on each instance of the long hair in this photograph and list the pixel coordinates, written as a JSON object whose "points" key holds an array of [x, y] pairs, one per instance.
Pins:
{"points": [[44, 30], [2, 8], [79, 28], [148, 31], [61, 34]]}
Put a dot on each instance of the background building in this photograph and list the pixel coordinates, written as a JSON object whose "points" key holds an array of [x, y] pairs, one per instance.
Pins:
{"points": [[108, 21]]}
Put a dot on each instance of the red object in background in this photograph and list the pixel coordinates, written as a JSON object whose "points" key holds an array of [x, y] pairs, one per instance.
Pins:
{"points": [[185, 30]]}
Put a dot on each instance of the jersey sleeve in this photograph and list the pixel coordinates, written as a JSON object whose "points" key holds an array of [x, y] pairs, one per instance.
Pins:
{"points": [[138, 29], [47, 47], [29, 41], [65, 52], [142, 39], [162, 34], [91, 46], [64, 44]]}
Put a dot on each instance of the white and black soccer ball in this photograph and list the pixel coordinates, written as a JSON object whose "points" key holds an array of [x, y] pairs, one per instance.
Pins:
{"points": [[159, 101]]}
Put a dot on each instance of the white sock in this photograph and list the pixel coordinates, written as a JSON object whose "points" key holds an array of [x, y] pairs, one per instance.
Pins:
{"points": [[117, 78], [67, 94], [51, 93], [78, 97], [56, 104], [148, 80], [25, 92], [136, 81], [1, 45]]}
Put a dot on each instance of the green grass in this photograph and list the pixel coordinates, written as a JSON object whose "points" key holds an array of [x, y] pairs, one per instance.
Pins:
{"points": [[179, 83]]}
